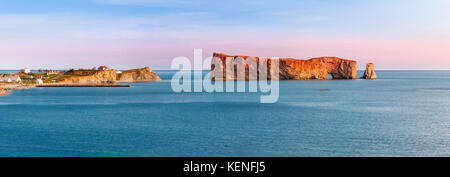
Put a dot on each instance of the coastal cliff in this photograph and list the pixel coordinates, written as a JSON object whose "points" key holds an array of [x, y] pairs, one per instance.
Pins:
{"points": [[99, 77], [370, 74], [108, 76], [296, 69], [138, 75]]}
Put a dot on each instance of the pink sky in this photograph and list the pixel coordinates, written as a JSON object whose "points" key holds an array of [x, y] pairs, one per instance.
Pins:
{"points": [[386, 54], [123, 34]]}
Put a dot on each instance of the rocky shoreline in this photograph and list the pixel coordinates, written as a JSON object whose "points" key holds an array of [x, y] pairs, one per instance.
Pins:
{"points": [[3, 92], [6, 88]]}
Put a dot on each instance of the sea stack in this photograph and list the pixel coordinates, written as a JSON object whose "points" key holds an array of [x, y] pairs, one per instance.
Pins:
{"points": [[293, 69], [370, 74]]}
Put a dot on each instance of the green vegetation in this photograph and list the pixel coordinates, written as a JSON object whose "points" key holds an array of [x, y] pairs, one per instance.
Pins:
{"points": [[51, 77], [81, 72], [131, 71], [30, 78]]}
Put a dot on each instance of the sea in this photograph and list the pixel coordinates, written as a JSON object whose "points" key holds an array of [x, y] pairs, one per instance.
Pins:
{"points": [[402, 113]]}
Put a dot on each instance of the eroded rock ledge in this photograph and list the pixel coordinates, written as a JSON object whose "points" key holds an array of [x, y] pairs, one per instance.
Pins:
{"points": [[296, 69]]}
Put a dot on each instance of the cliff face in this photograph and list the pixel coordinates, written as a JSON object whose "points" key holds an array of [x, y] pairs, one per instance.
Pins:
{"points": [[296, 69], [370, 74], [138, 75], [110, 77], [100, 77]]}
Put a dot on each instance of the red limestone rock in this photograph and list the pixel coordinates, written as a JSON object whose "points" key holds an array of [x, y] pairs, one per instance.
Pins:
{"points": [[296, 69]]}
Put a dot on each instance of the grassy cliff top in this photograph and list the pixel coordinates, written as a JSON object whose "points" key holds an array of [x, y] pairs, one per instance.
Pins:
{"points": [[80, 72]]}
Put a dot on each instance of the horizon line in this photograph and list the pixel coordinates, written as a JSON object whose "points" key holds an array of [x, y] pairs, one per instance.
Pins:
{"points": [[209, 70]]}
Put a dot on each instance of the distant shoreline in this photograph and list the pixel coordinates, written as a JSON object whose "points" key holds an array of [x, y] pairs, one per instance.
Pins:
{"points": [[101, 77]]}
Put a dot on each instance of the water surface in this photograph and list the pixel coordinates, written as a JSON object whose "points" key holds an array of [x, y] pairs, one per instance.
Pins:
{"points": [[404, 113]]}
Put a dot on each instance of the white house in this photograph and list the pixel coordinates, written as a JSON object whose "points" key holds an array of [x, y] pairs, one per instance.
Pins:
{"points": [[26, 70], [15, 78], [39, 81], [118, 71]]}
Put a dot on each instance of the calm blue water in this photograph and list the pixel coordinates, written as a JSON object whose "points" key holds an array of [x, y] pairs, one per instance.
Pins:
{"points": [[404, 113]]}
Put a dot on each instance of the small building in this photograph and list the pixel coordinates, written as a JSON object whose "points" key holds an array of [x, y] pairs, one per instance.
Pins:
{"points": [[39, 77], [25, 70], [39, 81], [102, 68], [10, 78], [118, 71], [15, 78]]}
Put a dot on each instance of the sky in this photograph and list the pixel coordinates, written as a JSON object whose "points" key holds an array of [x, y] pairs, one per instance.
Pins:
{"points": [[124, 34]]}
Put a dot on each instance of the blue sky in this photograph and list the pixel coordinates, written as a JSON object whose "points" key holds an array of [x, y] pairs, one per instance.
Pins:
{"points": [[395, 34]]}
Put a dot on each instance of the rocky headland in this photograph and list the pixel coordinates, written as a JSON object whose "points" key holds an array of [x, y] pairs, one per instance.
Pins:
{"points": [[81, 77], [109, 77], [296, 69], [138, 75], [97, 77]]}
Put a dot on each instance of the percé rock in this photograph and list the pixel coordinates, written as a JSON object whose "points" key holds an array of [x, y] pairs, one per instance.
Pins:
{"points": [[297, 69], [370, 72], [111, 77], [138, 75]]}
